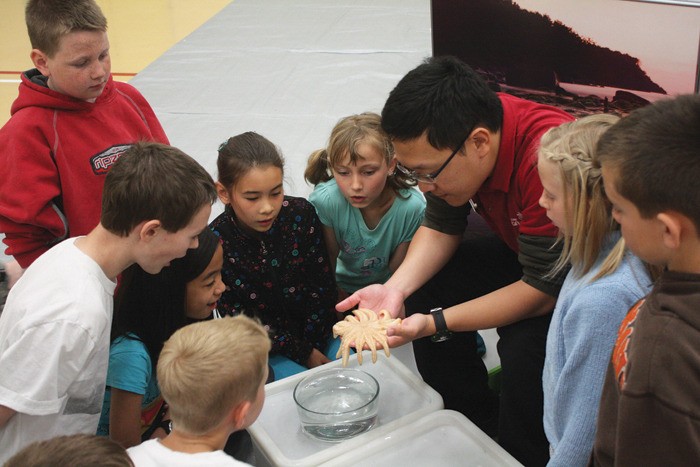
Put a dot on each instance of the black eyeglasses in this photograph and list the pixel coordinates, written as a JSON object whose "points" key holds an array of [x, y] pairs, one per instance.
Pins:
{"points": [[414, 177]]}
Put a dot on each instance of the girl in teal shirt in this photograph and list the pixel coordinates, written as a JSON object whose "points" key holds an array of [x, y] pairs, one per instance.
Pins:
{"points": [[368, 210]]}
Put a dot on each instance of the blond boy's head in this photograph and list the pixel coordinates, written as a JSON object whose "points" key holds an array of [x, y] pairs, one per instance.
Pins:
{"points": [[208, 369], [48, 21]]}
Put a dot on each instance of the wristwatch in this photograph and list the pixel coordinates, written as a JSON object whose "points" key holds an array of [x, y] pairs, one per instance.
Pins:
{"points": [[441, 331]]}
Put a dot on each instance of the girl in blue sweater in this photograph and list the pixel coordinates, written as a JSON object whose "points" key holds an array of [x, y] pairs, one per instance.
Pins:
{"points": [[605, 280]]}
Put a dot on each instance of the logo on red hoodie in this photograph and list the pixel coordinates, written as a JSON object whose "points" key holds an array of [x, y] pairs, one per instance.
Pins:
{"points": [[102, 162]]}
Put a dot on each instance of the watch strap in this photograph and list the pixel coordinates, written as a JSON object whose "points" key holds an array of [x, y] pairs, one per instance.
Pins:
{"points": [[440, 323], [441, 331]]}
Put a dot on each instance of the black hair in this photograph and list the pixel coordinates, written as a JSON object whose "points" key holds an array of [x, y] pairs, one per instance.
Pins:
{"points": [[444, 98], [152, 306]]}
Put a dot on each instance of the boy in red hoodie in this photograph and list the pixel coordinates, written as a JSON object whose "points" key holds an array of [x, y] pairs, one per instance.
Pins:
{"points": [[69, 124]]}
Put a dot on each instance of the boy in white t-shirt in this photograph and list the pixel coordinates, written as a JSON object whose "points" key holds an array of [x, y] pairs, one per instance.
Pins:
{"points": [[212, 374], [54, 330]]}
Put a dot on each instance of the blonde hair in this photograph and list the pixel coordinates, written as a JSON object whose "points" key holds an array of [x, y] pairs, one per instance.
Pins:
{"points": [[49, 20], [206, 369], [347, 135], [80, 450], [571, 147]]}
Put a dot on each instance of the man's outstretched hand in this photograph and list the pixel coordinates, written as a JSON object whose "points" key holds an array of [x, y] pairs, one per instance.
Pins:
{"points": [[375, 297]]}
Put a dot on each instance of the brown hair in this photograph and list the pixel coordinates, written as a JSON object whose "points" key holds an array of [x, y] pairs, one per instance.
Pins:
{"points": [[207, 368], [49, 20], [243, 152], [346, 136], [655, 152], [153, 181], [81, 450]]}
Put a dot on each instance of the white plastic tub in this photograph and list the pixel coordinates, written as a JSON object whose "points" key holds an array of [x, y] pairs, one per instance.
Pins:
{"points": [[277, 436], [442, 438]]}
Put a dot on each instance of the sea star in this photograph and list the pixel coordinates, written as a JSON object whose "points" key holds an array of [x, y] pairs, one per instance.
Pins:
{"points": [[365, 327]]}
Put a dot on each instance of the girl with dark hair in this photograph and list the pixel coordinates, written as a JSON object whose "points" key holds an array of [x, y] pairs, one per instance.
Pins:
{"points": [[148, 309], [276, 266]]}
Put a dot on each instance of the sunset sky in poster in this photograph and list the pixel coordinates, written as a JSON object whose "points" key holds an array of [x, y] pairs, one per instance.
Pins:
{"points": [[664, 37]]}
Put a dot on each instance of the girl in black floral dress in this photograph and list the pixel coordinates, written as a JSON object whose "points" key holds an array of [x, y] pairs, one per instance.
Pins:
{"points": [[276, 266]]}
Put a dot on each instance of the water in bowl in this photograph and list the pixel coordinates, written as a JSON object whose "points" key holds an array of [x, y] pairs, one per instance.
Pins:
{"points": [[353, 423], [337, 404]]}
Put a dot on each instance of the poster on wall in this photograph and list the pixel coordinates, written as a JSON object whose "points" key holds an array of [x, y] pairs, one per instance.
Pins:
{"points": [[584, 56]]}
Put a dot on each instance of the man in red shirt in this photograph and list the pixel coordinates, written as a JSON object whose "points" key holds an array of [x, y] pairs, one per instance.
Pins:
{"points": [[469, 147]]}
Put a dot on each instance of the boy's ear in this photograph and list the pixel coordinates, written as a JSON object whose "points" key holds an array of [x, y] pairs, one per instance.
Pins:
{"points": [[149, 229], [239, 415], [673, 229], [222, 192], [40, 60]]}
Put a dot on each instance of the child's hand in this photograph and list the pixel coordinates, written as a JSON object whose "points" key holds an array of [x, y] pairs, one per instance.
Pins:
{"points": [[316, 358]]}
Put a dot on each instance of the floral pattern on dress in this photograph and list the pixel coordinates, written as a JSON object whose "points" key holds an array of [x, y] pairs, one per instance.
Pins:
{"points": [[282, 277]]}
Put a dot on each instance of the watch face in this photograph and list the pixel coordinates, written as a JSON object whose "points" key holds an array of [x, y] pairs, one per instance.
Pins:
{"points": [[441, 336]]}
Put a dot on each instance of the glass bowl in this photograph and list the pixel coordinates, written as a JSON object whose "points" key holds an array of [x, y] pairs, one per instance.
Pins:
{"points": [[337, 404]]}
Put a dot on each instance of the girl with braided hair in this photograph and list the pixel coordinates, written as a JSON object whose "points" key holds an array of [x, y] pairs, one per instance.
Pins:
{"points": [[605, 280]]}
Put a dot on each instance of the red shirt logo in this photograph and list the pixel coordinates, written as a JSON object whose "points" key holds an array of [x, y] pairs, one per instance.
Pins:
{"points": [[102, 162]]}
